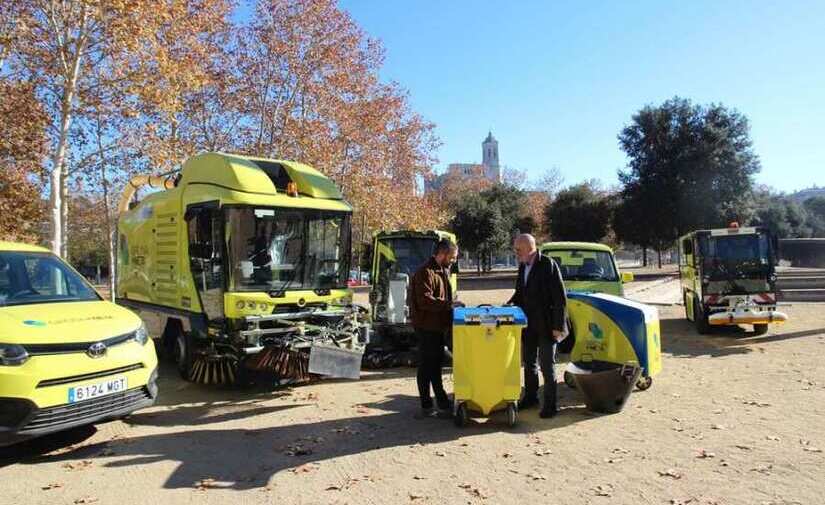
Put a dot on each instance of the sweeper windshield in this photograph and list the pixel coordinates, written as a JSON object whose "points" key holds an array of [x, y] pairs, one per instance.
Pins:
{"points": [[735, 255], [280, 249]]}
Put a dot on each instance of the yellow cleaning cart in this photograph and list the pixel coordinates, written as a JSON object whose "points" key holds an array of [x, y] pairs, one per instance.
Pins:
{"points": [[487, 361]]}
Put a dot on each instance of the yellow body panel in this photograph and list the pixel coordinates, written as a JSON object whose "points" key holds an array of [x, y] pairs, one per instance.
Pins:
{"points": [[242, 304], [600, 338], [487, 365]]}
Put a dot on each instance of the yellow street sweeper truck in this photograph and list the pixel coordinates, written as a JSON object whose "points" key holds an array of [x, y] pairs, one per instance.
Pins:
{"points": [[240, 263]]}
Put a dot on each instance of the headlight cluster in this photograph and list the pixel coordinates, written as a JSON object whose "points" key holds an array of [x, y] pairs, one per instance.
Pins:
{"points": [[12, 355], [141, 335]]}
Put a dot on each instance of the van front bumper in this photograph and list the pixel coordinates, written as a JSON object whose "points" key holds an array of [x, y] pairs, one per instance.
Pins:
{"points": [[22, 419]]}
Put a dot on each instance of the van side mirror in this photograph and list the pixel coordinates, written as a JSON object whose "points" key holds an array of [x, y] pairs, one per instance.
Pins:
{"points": [[627, 277]]}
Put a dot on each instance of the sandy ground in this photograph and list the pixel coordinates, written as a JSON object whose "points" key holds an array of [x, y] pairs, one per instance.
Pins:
{"points": [[732, 419]]}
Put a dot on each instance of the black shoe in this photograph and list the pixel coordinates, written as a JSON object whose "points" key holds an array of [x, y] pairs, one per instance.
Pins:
{"points": [[446, 406], [548, 412], [526, 403]]}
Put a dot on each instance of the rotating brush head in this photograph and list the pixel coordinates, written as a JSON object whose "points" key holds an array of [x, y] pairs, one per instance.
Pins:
{"points": [[210, 370], [283, 362]]}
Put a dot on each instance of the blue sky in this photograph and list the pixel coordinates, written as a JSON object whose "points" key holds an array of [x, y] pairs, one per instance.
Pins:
{"points": [[556, 81]]}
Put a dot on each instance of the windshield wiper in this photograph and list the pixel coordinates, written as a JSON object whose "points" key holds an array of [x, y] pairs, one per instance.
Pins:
{"points": [[280, 291]]}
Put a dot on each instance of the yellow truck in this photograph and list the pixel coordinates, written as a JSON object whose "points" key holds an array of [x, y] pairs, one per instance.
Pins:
{"points": [[396, 257], [727, 278], [241, 263], [67, 357]]}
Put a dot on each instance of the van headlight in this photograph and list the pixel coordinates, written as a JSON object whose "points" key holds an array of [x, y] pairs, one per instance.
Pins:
{"points": [[141, 335], [12, 355]]}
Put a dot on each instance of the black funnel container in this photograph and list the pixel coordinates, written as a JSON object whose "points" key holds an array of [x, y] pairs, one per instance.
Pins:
{"points": [[605, 386]]}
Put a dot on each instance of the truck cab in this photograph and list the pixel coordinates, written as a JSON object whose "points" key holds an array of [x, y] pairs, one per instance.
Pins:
{"points": [[397, 255], [728, 278]]}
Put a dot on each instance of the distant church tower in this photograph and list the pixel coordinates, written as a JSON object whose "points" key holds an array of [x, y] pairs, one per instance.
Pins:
{"points": [[489, 156]]}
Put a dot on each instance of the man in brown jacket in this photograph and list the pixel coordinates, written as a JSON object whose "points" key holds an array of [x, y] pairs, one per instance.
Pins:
{"points": [[431, 311]]}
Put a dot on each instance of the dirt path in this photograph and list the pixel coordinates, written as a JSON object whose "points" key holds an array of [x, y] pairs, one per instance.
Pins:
{"points": [[733, 419]]}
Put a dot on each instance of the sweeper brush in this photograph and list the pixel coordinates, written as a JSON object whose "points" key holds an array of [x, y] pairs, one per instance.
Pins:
{"points": [[214, 370], [283, 362]]}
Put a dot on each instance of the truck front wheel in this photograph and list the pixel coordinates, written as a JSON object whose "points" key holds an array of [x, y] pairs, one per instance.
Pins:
{"points": [[184, 354], [700, 319], [760, 329]]}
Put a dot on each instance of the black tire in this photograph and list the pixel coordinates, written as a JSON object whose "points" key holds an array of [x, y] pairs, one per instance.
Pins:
{"points": [[461, 417], [700, 319], [760, 329], [644, 383], [184, 354], [512, 415], [569, 380]]}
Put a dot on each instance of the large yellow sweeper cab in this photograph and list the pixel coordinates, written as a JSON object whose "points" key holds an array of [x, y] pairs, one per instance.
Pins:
{"points": [[487, 361], [241, 263], [618, 345], [397, 255]]}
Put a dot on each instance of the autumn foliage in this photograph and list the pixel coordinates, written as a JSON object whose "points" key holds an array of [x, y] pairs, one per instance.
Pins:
{"points": [[95, 91]]}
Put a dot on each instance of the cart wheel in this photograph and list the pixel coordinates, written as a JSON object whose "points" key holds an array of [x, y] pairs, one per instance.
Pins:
{"points": [[512, 415], [644, 383], [760, 329], [569, 380], [460, 418]]}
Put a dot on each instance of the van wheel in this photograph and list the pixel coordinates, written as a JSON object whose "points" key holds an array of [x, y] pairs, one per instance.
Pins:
{"points": [[700, 319], [760, 329], [184, 354]]}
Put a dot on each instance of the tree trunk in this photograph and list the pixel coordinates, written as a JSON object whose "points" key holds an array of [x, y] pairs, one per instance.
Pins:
{"points": [[659, 253], [478, 263], [644, 256], [64, 210], [59, 171]]}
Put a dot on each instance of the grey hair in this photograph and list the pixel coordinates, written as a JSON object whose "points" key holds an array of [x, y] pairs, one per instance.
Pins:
{"points": [[526, 237]]}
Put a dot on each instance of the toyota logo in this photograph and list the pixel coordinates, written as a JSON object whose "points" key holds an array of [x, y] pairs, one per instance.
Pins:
{"points": [[96, 350]]}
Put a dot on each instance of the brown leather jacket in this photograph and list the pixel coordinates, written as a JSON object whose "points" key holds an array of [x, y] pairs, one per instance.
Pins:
{"points": [[431, 298]]}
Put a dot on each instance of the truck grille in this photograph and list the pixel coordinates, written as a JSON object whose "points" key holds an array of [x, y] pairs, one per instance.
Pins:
{"points": [[86, 411], [75, 378]]}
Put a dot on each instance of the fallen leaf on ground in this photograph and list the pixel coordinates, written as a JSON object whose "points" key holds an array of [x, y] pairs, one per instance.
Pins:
{"points": [[305, 468], [603, 490], [812, 449], [54, 485], [613, 460], [416, 496], [744, 447], [79, 465], [773, 438], [543, 452], [87, 499], [440, 454], [537, 476], [416, 477], [621, 450], [473, 491], [763, 469], [506, 455], [670, 472], [719, 427], [756, 403], [703, 454]]}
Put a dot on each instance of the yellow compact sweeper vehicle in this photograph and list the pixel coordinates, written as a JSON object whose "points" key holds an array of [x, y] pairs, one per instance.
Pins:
{"points": [[487, 361], [728, 278], [67, 357], [397, 255], [241, 263]]}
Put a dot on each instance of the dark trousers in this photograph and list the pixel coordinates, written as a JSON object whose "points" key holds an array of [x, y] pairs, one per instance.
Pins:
{"points": [[430, 361], [539, 351]]}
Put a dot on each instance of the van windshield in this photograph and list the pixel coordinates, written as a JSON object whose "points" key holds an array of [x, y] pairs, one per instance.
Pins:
{"points": [[584, 265], [27, 278]]}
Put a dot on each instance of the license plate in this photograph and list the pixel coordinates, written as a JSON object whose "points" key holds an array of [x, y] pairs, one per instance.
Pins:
{"points": [[80, 393]]}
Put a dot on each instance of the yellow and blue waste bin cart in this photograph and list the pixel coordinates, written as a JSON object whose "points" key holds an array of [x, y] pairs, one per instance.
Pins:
{"points": [[613, 330], [487, 361]]}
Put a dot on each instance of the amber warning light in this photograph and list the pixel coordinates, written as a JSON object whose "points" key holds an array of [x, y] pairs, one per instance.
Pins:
{"points": [[292, 189]]}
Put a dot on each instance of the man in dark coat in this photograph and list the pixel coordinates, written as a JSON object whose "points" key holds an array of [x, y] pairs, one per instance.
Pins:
{"points": [[431, 311], [540, 294]]}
